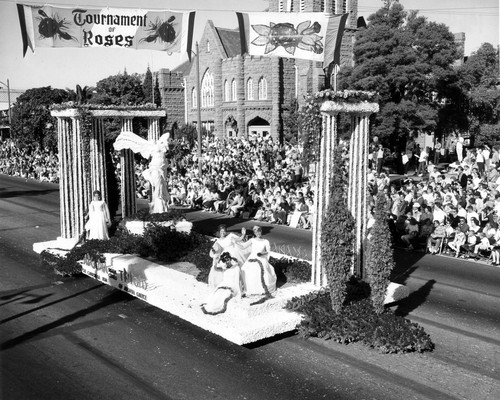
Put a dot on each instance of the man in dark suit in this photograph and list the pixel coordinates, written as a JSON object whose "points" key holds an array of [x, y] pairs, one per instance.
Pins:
{"points": [[462, 177]]}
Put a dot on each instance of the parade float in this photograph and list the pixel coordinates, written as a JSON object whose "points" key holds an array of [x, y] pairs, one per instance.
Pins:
{"points": [[170, 286]]}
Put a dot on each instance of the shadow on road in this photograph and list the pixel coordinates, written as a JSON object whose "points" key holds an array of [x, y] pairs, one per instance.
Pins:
{"points": [[6, 193], [114, 297], [415, 299], [49, 304]]}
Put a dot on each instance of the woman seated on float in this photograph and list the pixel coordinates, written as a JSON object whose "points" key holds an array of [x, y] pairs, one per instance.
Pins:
{"points": [[226, 242], [257, 273]]}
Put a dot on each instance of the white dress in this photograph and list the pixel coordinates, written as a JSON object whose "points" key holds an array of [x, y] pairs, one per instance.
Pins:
{"points": [[257, 274], [229, 287], [227, 243], [97, 225]]}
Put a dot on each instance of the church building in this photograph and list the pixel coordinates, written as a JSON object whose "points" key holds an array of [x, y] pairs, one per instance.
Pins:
{"points": [[243, 95]]}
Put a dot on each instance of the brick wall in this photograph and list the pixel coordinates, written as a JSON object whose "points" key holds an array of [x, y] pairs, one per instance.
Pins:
{"points": [[172, 93]]}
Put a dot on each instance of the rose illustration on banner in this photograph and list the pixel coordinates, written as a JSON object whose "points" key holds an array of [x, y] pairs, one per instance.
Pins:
{"points": [[284, 34], [50, 27], [163, 30]]}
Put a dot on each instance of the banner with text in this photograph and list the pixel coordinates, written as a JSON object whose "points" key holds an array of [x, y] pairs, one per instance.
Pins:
{"points": [[163, 30], [306, 35]]}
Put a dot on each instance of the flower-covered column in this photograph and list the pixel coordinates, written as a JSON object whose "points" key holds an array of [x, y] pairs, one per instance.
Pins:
{"points": [[358, 180], [65, 176], [327, 145], [98, 159], [79, 180], [153, 129], [127, 176], [356, 192]]}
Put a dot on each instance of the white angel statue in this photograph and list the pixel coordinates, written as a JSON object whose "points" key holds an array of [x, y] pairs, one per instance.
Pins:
{"points": [[156, 173]]}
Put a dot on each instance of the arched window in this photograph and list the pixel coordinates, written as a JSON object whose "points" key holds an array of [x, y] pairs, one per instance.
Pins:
{"points": [[262, 89], [227, 93], [207, 90], [208, 46], [250, 89], [233, 91], [194, 98]]}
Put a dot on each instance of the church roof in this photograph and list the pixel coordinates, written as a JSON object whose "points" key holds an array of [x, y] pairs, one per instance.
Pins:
{"points": [[230, 39], [183, 68]]}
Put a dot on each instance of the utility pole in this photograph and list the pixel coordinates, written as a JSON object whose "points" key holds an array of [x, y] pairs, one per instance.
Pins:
{"points": [[8, 99], [198, 101]]}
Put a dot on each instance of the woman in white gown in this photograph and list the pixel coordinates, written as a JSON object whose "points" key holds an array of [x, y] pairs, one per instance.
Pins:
{"points": [[98, 218], [226, 242], [257, 274], [229, 286]]}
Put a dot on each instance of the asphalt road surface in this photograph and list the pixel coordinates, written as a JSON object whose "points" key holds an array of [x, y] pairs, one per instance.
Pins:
{"points": [[74, 338]]}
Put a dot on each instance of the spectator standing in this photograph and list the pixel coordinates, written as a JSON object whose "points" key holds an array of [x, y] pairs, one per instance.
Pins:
{"points": [[437, 152], [460, 149], [380, 158], [422, 161]]}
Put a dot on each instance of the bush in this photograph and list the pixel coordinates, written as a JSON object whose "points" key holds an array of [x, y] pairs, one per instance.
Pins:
{"points": [[291, 270], [68, 265], [379, 260], [357, 321], [173, 215], [200, 256], [166, 244], [337, 236], [162, 243]]}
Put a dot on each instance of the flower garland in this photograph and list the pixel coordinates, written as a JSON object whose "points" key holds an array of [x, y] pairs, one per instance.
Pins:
{"points": [[310, 116], [74, 104], [86, 122]]}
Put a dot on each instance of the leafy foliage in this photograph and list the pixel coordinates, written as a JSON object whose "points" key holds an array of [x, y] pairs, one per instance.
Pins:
{"points": [[165, 243], [120, 89], [290, 115], [337, 236], [480, 97], [31, 119], [309, 118], [358, 322], [156, 93], [147, 86], [405, 59], [158, 241], [291, 270], [380, 260], [187, 133], [173, 215]]}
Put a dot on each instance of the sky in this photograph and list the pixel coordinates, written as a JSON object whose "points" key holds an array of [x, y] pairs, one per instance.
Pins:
{"points": [[67, 67]]}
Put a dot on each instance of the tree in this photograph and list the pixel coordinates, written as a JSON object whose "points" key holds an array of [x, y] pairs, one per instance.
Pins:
{"points": [[479, 80], [337, 236], [31, 119], [147, 86], [291, 121], [403, 58], [157, 93], [121, 89], [188, 134], [380, 260]]}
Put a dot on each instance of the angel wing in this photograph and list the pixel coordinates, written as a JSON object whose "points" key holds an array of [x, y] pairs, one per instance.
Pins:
{"points": [[131, 141]]}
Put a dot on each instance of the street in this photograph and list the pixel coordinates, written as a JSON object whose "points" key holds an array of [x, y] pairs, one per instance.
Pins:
{"points": [[74, 338]]}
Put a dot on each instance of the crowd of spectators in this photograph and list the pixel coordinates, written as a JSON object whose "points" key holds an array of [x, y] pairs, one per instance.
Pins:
{"points": [[441, 208], [29, 162], [255, 179], [447, 208]]}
